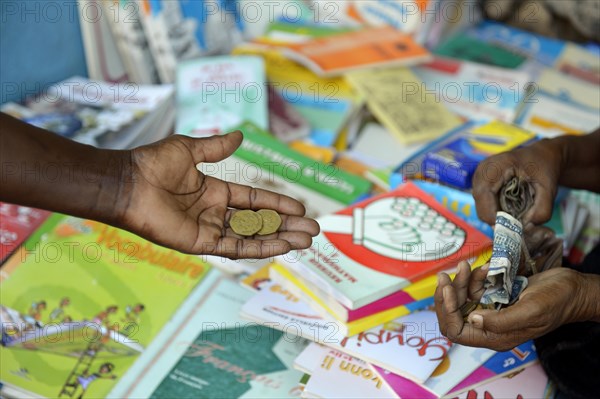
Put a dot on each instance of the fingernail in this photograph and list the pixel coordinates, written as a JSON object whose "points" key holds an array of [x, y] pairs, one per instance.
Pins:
{"points": [[476, 320], [439, 276], [485, 267]]}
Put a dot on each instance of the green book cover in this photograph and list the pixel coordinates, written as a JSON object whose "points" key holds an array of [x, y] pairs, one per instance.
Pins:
{"points": [[213, 353], [81, 301], [276, 157], [469, 49]]}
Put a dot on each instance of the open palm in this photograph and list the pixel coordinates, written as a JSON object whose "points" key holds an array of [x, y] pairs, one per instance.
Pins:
{"points": [[170, 202]]}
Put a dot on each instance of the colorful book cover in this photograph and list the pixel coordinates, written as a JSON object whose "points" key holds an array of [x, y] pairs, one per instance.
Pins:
{"points": [[212, 353], [458, 365], [17, 223], [339, 375], [215, 94], [550, 116], [475, 91], [460, 362], [326, 103], [385, 309], [80, 304], [530, 382], [544, 50], [453, 158], [381, 245], [280, 275], [411, 346], [567, 88], [579, 62], [399, 100], [366, 48], [497, 366], [265, 162]]}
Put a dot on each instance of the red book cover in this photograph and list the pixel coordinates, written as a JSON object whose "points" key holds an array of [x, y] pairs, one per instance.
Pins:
{"points": [[16, 225]]}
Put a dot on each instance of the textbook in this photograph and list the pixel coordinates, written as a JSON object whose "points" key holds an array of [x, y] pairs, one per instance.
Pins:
{"points": [[209, 352], [531, 382], [383, 244], [499, 365], [475, 91], [80, 304], [366, 48], [410, 346], [453, 158], [215, 94], [339, 375], [279, 275], [399, 100], [381, 311]]}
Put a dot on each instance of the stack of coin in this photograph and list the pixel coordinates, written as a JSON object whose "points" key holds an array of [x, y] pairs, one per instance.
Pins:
{"points": [[248, 223]]}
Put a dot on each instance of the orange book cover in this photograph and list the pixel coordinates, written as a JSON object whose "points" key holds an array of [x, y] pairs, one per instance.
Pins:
{"points": [[367, 48]]}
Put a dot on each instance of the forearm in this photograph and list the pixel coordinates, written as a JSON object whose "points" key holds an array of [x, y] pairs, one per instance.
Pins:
{"points": [[44, 170], [580, 160]]}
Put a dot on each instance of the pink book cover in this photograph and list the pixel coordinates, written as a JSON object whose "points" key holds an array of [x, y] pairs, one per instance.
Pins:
{"points": [[17, 223], [403, 387]]}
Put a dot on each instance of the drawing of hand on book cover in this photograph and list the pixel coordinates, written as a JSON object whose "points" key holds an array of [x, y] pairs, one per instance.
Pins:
{"points": [[399, 228]]}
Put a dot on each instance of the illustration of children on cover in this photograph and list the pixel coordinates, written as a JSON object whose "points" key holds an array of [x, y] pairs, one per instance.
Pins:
{"points": [[58, 312], [84, 379], [132, 318]]}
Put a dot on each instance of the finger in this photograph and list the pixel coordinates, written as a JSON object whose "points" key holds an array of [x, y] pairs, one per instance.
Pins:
{"points": [[215, 148], [438, 299], [507, 320], [236, 248], [453, 319], [289, 223], [461, 281], [297, 240], [489, 178], [477, 281], [543, 204], [246, 197], [300, 224]]}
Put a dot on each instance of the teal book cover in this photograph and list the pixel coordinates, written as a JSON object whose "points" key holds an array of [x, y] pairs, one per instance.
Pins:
{"points": [[213, 353]]}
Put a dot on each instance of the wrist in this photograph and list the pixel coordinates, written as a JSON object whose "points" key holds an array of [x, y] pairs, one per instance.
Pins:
{"points": [[589, 297]]}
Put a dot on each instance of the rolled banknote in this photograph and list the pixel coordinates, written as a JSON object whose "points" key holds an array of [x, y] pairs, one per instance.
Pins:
{"points": [[502, 285]]}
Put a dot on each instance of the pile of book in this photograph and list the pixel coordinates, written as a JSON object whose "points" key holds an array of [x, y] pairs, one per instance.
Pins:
{"points": [[372, 115]]}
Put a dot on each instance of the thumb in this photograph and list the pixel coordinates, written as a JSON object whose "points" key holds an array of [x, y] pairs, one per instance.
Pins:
{"points": [[216, 148]]}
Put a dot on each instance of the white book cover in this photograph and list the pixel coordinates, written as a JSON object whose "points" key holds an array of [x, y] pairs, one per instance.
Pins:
{"points": [[410, 346], [550, 116], [215, 94], [458, 365], [308, 360], [475, 91], [378, 148], [339, 375], [531, 382]]}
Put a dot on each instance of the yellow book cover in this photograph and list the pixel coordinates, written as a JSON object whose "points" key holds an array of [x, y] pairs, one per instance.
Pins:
{"points": [[399, 100]]}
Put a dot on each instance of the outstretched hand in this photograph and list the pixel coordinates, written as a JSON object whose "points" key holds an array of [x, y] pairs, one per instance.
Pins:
{"points": [[552, 298], [167, 200]]}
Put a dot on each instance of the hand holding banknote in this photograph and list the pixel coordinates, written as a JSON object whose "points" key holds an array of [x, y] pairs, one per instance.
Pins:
{"points": [[552, 298]]}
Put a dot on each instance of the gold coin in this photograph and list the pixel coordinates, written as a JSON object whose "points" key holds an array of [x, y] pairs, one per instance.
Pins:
{"points": [[467, 308], [270, 221], [246, 222]]}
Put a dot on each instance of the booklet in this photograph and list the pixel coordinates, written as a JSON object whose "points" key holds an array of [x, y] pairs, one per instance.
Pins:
{"points": [[81, 301]]}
